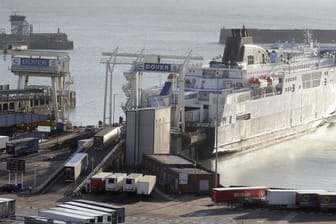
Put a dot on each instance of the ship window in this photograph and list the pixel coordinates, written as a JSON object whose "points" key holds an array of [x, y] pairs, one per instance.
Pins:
{"points": [[5, 106], [325, 81], [224, 120], [250, 59], [11, 106], [230, 119], [293, 88]]}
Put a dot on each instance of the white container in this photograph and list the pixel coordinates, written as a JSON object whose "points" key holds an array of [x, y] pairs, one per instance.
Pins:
{"points": [[100, 217], [146, 185], [281, 197], [3, 141], [65, 216], [75, 166], [131, 182], [7, 206], [114, 182]]}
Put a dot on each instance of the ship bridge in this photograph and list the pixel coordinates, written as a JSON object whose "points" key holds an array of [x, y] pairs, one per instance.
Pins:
{"points": [[51, 65]]}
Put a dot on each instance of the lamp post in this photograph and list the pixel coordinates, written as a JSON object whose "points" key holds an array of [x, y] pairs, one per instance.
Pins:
{"points": [[216, 137]]}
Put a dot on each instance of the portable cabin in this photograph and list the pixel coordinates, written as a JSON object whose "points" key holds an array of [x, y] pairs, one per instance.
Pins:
{"points": [[114, 182], [131, 182]]}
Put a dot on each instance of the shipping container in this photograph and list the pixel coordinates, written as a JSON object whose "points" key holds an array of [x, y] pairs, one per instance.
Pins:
{"points": [[98, 181], [22, 146], [75, 166], [327, 200], [106, 136], [100, 217], [131, 182], [238, 194], [120, 210], [114, 182], [65, 216], [146, 184], [110, 211], [308, 198], [3, 141], [283, 197]]}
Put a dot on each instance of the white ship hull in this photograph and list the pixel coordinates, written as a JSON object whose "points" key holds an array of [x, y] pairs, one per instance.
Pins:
{"points": [[281, 117]]}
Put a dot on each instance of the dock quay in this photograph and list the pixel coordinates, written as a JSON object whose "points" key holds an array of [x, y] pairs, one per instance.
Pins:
{"points": [[158, 208]]}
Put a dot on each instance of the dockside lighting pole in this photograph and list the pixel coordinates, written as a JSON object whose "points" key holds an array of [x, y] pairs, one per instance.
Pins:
{"points": [[216, 136]]}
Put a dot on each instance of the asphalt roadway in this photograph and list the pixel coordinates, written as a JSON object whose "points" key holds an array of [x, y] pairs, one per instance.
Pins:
{"points": [[162, 209]]}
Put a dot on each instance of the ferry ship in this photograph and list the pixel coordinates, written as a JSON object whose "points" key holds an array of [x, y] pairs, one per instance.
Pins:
{"points": [[257, 96]]}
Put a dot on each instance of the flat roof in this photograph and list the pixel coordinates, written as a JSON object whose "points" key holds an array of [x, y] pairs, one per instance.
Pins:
{"points": [[190, 170], [168, 159]]}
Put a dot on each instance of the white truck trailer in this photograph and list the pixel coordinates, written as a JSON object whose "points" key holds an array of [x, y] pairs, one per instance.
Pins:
{"points": [[281, 197], [67, 217], [112, 212], [114, 182], [3, 141], [146, 184], [131, 182], [100, 217], [120, 209], [84, 144], [75, 166], [7, 207]]}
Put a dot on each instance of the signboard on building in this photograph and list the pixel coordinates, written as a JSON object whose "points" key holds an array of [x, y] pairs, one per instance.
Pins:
{"points": [[158, 67], [16, 165], [183, 178], [41, 128], [34, 62]]}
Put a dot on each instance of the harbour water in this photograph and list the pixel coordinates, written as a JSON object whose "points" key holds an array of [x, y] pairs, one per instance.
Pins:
{"points": [[176, 27]]}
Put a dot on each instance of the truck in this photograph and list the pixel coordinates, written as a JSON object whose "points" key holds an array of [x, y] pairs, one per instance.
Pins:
{"points": [[97, 181], [75, 167], [114, 182], [22, 146], [105, 137], [146, 184], [238, 194], [131, 182], [3, 141], [281, 197], [120, 210]]}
